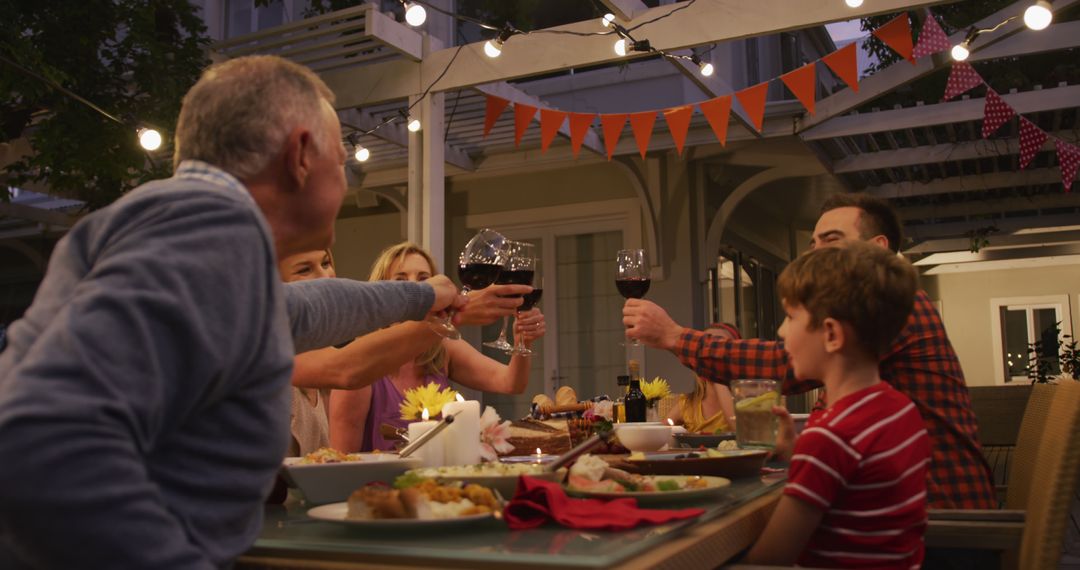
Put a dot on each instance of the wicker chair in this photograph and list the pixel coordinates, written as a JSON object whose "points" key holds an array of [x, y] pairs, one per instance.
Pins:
{"points": [[1042, 480]]}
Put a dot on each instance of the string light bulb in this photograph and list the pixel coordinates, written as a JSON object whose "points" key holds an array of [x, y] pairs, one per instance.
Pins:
{"points": [[705, 67], [493, 48], [607, 19], [853, 3], [149, 139], [414, 125], [1038, 16], [415, 14], [620, 47], [962, 50], [362, 154]]}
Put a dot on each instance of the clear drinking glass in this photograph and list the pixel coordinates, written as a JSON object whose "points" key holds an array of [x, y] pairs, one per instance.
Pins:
{"points": [[531, 299], [755, 422], [511, 276], [479, 266], [632, 276]]}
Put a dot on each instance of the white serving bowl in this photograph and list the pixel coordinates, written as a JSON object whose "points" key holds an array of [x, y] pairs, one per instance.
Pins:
{"points": [[334, 482], [641, 437]]}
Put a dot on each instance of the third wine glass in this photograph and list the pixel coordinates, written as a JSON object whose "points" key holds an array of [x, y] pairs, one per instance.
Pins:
{"points": [[632, 275]]}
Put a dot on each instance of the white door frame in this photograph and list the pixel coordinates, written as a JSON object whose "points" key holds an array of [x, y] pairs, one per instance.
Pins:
{"points": [[549, 223], [1058, 302]]}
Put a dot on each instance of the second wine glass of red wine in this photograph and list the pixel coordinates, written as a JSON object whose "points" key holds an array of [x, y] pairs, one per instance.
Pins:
{"points": [[479, 266], [632, 277], [530, 300]]}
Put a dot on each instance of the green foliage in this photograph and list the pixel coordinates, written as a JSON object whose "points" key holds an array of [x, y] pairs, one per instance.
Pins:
{"points": [[1043, 356], [132, 58]]}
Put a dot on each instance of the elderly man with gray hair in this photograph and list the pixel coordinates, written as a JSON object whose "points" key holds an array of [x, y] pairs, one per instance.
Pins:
{"points": [[144, 402]]}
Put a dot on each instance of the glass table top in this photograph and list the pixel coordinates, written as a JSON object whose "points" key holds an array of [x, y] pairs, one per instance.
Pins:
{"points": [[289, 532]]}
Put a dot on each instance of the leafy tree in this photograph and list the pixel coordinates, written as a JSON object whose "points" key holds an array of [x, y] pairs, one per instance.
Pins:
{"points": [[134, 59]]}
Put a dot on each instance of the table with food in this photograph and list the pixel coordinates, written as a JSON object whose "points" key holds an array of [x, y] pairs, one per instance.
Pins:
{"points": [[572, 489]]}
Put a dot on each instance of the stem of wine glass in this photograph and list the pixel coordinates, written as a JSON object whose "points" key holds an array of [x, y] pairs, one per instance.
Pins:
{"points": [[445, 328], [519, 340]]}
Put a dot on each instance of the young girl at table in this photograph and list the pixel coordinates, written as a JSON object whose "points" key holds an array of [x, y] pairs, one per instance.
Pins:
{"points": [[856, 489], [709, 408], [357, 416]]}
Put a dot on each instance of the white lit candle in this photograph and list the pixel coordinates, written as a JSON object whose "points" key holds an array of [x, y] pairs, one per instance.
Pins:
{"points": [[432, 454], [674, 430], [463, 436]]}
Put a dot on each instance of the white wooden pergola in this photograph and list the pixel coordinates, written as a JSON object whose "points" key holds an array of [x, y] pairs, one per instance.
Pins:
{"points": [[929, 159]]}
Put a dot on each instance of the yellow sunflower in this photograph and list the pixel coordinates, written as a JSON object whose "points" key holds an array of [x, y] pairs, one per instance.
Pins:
{"points": [[429, 396]]}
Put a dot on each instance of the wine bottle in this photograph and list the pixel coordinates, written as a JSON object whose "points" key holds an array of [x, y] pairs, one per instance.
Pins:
{"points": [[635, 401]]}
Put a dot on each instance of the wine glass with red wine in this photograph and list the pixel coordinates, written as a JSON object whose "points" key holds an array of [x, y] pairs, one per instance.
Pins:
{"points": [[532, 265], [632, 275], [510, 276], [479, 265]]}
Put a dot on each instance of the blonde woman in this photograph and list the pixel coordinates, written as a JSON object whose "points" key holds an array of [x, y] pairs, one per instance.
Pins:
{"points": [[710, 407], [357, 416]]}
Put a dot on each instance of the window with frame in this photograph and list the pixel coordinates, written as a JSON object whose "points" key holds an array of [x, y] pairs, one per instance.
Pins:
{"points": [[1017, 323]]}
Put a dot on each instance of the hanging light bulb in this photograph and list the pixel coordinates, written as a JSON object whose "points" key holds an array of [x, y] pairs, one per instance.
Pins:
{"points": [[1038, 16], [414, 125], [607, 19], [620, 47], [493, 48], [415, 14], [362, 154], [705, 67], [149, 139], [853, 3], [962, 50]]}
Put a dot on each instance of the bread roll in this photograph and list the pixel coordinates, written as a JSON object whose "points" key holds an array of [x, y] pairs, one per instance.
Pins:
{"points": [[543, 401], [565, 396]]}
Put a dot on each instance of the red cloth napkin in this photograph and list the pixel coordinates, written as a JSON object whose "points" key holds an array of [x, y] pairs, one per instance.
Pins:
{"points": [[537, 501]]}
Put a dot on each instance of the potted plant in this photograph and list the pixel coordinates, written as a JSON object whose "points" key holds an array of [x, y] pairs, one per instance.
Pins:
{"points": [[1042, 357]]}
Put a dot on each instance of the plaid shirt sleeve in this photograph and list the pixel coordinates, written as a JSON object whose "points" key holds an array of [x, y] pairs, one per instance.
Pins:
{"points": [[921, 363]]}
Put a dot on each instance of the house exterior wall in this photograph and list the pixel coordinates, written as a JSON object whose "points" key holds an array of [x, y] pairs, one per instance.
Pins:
{"points": [[965, 301]]}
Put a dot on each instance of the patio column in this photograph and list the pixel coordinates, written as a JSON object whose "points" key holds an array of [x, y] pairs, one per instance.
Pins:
{"points": [[427, 183]]}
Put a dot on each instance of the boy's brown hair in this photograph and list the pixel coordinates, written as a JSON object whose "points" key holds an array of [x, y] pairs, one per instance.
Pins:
{"points": [[858, 283]]}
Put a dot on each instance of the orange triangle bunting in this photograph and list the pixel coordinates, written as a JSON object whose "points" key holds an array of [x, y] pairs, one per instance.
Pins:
{"points": [[716, 111], [844, 62], [642, 124], [579, 127], [897, 35], [550, 122], [523, 115], [752, 100], [678, 122], [613, 126], [495, 106], [801, 82]]}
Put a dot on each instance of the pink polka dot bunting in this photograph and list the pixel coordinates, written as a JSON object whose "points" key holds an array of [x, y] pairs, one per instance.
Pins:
{"points": [[962, 78], [995, 112], [932, 38], [1069, 159], [1031, 140]]}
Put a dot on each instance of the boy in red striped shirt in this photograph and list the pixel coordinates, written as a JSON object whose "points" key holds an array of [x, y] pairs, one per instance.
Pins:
{"points": [[856, 490]]}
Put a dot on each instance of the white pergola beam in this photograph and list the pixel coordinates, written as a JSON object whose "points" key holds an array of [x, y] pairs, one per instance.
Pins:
{"points": [[942, 113], [901, 73], [946, 152], [625, 10], [991, 206], [997, 241], [1004, 225], [538, 53], [969, 183], [510, 93]]}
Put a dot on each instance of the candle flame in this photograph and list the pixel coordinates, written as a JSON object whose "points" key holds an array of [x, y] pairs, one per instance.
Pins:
{"points": [[670, 423], [538, 451], [460, 398], [425, 415]]}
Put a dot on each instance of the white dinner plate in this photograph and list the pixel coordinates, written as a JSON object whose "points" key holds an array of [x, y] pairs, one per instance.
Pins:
{"points": [[715, 485], [335, 512]]}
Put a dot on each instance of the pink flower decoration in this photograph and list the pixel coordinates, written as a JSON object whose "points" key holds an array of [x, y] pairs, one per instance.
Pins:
{"points": [[493, 435]]}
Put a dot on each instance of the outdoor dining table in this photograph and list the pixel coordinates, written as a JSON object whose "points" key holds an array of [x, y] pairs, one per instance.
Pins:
{"points": [[731, 522]]}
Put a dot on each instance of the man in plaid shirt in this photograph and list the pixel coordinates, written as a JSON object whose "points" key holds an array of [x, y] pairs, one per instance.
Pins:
{"points": [[921, 362]]}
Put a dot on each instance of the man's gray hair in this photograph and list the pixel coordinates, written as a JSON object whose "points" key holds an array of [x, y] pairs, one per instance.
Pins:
{"points": [[239, 113]]}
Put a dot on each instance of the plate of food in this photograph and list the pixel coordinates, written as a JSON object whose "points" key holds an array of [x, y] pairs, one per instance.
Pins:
{"points": [[502, 477], [329, 476], [595, 478], [730, 463], [703, 439], [412, 503]]}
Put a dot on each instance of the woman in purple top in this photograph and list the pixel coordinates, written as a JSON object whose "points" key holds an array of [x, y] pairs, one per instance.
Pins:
{"points": [[357, 415]]}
